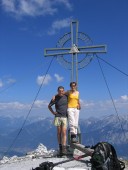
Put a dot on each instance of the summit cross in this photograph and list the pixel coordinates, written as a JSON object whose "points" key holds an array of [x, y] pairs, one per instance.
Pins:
{"points": [[73, 49]]}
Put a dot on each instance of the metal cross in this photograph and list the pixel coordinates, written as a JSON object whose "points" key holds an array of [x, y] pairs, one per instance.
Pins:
{"points": [[74, 50]]}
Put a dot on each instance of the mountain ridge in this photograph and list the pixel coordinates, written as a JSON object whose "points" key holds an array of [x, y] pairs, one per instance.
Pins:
{"points": [[93, 130]]}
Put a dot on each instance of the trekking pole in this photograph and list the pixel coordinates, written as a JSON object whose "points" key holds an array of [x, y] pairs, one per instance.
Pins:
{"points": [[51, 165]]}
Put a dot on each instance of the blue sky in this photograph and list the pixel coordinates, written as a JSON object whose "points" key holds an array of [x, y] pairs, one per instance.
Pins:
{"points": [[27, 27]]}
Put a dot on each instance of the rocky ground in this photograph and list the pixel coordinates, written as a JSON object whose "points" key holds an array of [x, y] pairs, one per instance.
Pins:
{"points": [[41, 154]]}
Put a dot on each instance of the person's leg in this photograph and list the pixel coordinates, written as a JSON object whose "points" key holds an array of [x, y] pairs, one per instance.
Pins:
{"points": [[57, 123], [59, 138], [71, 120], [59, 134], [76, 120], [64, 135], [64, 130], [72, 124]]}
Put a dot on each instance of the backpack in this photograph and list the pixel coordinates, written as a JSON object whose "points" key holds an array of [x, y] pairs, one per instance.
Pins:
{"points": [[104, 157], [45, 166]]}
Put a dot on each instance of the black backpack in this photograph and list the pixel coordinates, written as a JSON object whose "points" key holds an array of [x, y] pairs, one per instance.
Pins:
{"points": [[44, 166], [104, 157]]}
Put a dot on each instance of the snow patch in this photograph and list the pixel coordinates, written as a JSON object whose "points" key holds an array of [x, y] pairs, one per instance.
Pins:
{"points": [[42, 151]]}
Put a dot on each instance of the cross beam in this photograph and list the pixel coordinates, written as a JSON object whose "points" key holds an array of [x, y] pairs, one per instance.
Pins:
{"points": [[74, 50]]}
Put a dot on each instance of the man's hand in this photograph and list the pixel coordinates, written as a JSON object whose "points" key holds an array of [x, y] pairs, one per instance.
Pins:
{"points": [[54, 113]]}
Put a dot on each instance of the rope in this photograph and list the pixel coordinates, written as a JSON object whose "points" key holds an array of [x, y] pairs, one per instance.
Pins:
{"points": [[113, 66], [13, 142], [111, 98]]}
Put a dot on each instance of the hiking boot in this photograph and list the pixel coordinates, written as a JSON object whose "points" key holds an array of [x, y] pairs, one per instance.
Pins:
{"points": [[64, 150], [74, 140], [60, 149]]}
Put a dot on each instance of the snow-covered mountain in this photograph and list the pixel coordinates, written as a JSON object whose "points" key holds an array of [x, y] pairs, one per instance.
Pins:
{"points": [[111, 128]]}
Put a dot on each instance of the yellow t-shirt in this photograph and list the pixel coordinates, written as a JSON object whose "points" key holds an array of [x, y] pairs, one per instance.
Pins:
{"points": [[73, 99]]}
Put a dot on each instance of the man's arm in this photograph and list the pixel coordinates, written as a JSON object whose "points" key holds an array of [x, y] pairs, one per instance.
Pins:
{"points": [[65, 93], [50, 107]]}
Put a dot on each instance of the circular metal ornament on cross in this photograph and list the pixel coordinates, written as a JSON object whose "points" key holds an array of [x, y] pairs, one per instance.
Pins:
{"points": [[83, 59]]}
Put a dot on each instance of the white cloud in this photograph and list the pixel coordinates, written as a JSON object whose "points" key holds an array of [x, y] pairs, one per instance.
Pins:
{"points": [[58, 77], [11, 81], [86, 104], [20, 8], [6, 81], [124, 97], [13, 105], [22, 106], [16, 109], [59, 24], [44, 79], [105, 107], [89, 108], [1, 83], [41, 103], [65, 2]]}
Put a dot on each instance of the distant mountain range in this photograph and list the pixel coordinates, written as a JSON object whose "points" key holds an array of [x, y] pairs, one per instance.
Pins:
{"points": [[112, 129]]}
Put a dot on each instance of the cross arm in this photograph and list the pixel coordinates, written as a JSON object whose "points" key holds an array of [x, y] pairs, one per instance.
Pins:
{"points": [[55, 51], [75, 50], [93, 49]]}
